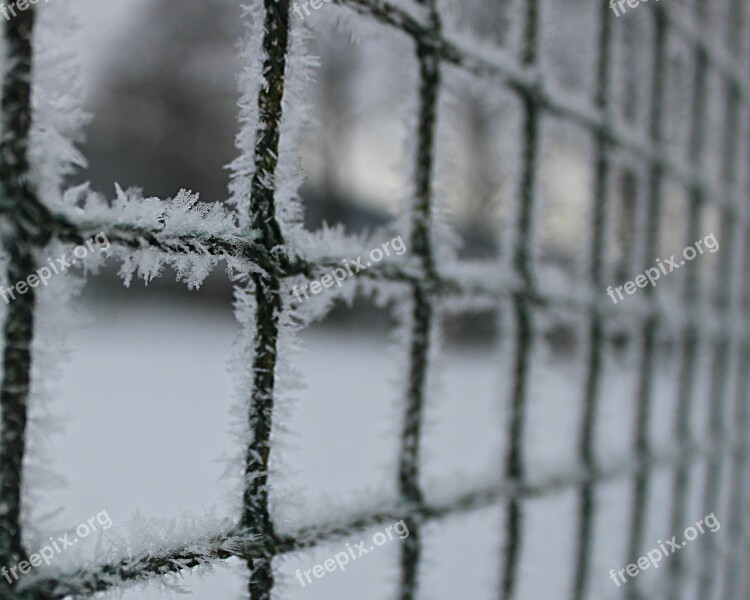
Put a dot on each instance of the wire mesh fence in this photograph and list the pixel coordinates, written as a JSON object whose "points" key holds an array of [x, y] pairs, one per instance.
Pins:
{"points": [[718, 324]]}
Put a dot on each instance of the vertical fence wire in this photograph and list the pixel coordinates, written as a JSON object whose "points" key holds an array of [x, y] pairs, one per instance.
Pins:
{"points": [[724, 344], [423, 311], [596, 342], [256, 517], [642, 442], [524, 334], [735, 565], [690, 340], [740, 465], [17, 201]]}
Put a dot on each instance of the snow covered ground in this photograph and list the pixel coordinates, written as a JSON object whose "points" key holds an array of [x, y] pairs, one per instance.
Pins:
{"points": [[148, 397]]}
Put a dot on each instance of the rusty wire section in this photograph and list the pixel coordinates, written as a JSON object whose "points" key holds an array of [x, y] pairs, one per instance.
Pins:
{"points": [[724, 447]]}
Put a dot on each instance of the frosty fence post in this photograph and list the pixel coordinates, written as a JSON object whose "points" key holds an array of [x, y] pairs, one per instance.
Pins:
{"points": [[31, 226]]}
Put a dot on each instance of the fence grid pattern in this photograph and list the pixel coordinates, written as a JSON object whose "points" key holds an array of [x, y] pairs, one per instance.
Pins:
{"points": [[31, 225]]}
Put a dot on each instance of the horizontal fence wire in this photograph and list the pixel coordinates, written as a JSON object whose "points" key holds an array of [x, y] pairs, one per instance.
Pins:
{"points": [[255, 539]]}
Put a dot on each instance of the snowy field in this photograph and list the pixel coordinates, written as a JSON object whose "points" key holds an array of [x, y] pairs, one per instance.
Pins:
{"points": [[148, 399]]}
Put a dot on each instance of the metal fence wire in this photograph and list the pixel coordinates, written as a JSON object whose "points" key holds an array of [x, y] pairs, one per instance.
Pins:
{"points": [[29, 224]]}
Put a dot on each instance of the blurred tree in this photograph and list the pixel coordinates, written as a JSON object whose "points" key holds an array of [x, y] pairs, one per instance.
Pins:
{"points": [[166, 109]]}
